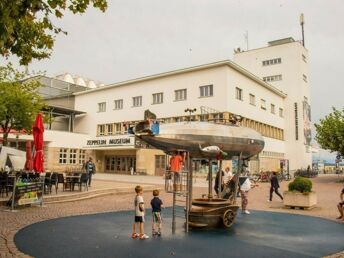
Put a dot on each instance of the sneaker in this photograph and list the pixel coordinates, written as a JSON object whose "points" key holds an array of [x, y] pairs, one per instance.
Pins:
{"points": [[135, 235], [159, 234], [246, 212], [143, 236], [269, 201]]}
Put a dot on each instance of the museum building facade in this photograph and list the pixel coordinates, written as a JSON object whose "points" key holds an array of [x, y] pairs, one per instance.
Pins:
{"points": [[267, 87]]}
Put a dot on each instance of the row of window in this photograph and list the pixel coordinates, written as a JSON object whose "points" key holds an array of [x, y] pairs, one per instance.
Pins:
{"points": [[239, 96], [111, 129], [72, 156], [272, 154], [273, 78], [264, 129], [158, 98], [272, 61]]}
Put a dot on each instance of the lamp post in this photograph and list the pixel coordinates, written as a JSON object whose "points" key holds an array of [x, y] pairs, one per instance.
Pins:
{"points": [[190, 112]]}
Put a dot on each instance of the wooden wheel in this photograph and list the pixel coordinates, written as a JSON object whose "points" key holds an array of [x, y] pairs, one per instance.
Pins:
{"points": [[228, 218]]}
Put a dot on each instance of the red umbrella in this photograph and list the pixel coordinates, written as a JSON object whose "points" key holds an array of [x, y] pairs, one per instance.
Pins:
{"points": [[38, 130], [29, 161]]}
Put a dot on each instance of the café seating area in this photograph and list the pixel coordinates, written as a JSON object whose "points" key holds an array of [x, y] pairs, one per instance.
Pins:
{"points": [[54, 182]]}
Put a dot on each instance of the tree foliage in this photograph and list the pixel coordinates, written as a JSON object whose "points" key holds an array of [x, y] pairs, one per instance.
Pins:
{"points": [[330, 132], [26, 28], [19, 101]]}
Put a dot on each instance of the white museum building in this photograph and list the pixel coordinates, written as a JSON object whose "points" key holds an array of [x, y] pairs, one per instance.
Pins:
{"points": [[269, 87]]}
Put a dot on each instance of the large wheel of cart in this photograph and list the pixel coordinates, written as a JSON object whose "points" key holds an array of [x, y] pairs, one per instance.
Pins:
{"points": [[228, 218]]}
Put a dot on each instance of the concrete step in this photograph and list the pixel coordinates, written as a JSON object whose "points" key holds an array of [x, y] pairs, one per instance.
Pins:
{"points": [[77, 195]]}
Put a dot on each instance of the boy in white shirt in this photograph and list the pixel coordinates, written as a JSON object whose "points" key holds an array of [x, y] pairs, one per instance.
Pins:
{"points": [[139, 214]]}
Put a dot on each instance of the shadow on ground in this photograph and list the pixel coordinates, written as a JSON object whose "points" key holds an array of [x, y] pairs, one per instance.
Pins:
{"points": [[261, 234]]}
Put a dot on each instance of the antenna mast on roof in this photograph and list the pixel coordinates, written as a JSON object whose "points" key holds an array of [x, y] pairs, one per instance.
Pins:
{"points": [[302, 22], [246, 38]]}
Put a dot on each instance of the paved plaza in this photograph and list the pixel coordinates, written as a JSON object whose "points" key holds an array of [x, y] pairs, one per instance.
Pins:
{"points": [[264, 234], [326, 187]]}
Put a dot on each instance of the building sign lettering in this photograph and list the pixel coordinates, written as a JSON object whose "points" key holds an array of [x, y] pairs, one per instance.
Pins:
{"points": [[111, 142], [96, 142]]}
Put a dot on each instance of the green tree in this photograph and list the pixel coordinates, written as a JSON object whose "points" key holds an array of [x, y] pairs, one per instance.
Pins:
{"points": [[19, 101], [330, 132], [26, 27]]}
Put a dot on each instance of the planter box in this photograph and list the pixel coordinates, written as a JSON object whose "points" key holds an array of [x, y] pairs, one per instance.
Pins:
{"points": [[296, 199]]}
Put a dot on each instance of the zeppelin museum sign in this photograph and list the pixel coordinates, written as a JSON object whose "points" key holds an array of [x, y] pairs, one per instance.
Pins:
{"points": [[111, 141]]}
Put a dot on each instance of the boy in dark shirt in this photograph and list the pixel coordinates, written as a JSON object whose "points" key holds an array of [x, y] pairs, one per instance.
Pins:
{"points": [[156, 204]]}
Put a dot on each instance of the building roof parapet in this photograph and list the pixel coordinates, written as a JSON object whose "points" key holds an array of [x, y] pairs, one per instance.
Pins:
{"points": [[192, 69]]}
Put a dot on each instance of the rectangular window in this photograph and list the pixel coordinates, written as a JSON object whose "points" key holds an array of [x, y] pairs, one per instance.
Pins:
{"points": [[206, 91], [63, 156], [238, 93], [281, 112], [263, 104], [72, 156], [304, 58], [272, 109], [304, 77], [273, 78], [102, 107], [101, 130], [252, 99], [272, 61], [118, 128], [118, 104], [180, 95], [158, 98], [109, 129], [82, 156], [137, 101]]}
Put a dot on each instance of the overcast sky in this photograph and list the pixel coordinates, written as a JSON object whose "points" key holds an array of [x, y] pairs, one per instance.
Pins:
{"points": [[142, 37]]}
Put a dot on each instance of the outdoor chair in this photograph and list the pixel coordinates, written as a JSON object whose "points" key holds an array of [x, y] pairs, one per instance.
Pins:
{"points": [[82, 180], [61, 180], [47, 183], [3, 183], [10, 181], [53, 181]]}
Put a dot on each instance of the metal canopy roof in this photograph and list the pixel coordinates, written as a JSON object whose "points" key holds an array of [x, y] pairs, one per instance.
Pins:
{"points": [[60, 111]]}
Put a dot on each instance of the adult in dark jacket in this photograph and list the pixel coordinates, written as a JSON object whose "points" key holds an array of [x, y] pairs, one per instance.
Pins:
{"points": [[90, 168], [274, 186]]}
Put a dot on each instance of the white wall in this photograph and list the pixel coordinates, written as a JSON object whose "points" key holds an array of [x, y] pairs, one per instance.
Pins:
{"points": [[244, 108], [190, 81], [61, 139], [292, 69]]}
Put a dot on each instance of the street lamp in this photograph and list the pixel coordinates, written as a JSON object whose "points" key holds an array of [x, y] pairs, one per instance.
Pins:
{"points": [[190, 112]]}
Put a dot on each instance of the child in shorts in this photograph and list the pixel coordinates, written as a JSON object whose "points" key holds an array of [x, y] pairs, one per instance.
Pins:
{"points": [[156, 204], [139, 214]]}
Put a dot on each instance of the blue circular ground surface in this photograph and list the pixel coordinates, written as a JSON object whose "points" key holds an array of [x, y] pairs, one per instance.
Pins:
{"points": [[261, 234]]}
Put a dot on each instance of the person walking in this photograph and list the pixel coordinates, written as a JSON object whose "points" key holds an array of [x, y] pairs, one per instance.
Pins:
{"points": [[90, 168], [274, 186]]}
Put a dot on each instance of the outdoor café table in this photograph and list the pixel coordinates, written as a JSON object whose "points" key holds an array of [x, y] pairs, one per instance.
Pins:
{"points": [[71, 179]]}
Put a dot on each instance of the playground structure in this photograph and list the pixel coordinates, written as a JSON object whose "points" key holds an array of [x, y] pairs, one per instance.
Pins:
{"points": [[202, 140]]}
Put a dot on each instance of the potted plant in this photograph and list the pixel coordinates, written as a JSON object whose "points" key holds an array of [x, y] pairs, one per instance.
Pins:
{"points": [[300, 194]]}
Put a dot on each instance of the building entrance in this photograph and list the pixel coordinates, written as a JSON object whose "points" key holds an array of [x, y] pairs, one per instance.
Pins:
{"points": [[160, 165], [120, 164]]}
